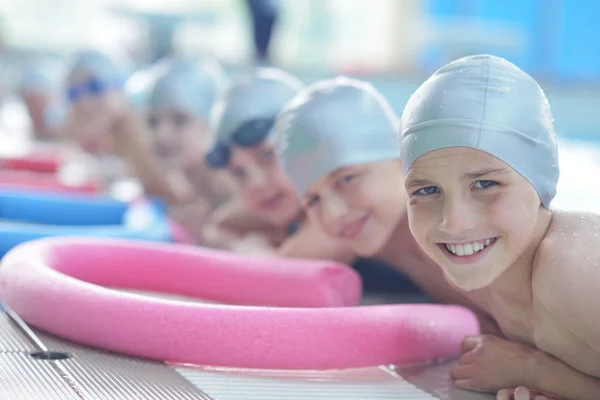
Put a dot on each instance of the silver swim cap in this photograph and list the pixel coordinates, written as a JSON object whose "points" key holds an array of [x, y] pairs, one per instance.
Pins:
{"points": [[331, 124], [485, 103], [244, 116], [99, 65], [188, 85]]}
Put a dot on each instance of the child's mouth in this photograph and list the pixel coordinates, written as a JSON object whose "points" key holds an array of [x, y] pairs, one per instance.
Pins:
{"points": [[467, 252]]}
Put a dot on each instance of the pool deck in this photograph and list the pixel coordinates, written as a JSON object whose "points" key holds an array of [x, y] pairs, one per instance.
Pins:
{"points": [[95, 374]]}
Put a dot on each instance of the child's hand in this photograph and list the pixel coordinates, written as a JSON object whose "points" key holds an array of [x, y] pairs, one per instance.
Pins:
{"points": [[523, 393], [100, 129], [489, 364], [257, 244], [191, 216]]}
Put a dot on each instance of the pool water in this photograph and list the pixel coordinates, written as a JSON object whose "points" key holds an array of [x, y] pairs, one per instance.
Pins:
{"points": [[578, 188]]}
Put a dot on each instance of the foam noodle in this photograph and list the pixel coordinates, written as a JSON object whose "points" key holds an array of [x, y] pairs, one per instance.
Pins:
{"points": [[15, 179], [35, 161], [36, 280], [180, 234]]}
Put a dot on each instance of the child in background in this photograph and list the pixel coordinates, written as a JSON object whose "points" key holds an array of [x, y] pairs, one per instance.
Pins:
{"points": [[179, 98], [266, 217], [102, 123]]}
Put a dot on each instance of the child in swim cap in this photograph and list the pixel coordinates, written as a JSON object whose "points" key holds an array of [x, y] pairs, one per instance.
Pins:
{"points": [[337, 142], [94, 91], [177, 103], [266, 215], [102, 123], [480, 156]]}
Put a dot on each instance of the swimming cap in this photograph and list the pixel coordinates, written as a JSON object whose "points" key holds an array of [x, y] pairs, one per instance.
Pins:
{"points": [[97, 64], [187, 84], [331, 124], [245, 114], [485, 103]]}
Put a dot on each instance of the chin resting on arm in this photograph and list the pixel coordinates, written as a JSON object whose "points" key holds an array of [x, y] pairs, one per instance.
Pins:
{"points": [[310, 242], [233, 227]]}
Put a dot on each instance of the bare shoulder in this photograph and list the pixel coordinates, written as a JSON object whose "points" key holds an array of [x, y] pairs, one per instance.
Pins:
{"points": [[567, 262], [571, 236]]}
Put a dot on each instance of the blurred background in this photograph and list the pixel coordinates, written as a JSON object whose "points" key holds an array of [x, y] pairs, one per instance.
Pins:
{"points": [[395, 43]]}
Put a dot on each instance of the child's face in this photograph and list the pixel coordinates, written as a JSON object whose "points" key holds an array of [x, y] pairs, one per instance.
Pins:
{"points": [[263, 185], [359, 205], [178, 138], [471, 213], [95, 106]]}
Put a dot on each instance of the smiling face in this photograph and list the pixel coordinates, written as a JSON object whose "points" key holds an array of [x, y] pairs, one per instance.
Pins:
{"points": [[263, 185], [359, 205], [471, 213]]}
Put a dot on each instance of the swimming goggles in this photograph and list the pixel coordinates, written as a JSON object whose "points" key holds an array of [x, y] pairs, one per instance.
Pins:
{"points": [[92, 87], [249, 134]]}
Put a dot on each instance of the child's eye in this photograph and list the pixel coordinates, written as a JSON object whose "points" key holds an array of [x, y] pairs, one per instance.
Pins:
{"points": [[266, 156], [346, 180], [238, 173], [152, 122], [485, 184], [427, 191], [311, 201], [180, 120]]}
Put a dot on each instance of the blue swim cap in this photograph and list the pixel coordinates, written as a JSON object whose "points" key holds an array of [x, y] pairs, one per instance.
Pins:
{"points": [[104, 75], [331, 124], [244, 116], [485, 103], [188, 85], [98, 65]]}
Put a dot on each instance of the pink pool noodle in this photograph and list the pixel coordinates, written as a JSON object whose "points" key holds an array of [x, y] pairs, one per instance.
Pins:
{"points": [[180, 234], [47, 283]]}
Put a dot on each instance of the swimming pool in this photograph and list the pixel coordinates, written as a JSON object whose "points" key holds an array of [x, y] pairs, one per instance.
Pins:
{"points": [[579, 173]]}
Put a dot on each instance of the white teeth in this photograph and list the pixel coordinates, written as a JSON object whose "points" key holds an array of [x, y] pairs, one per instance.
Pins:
{"points": [[468, 249]]}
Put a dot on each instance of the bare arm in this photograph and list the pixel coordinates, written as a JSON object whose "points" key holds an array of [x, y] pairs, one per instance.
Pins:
{"points": [[567, 264], [233, 227], [311, 242], [491, 364], [554, 376], [135, 150]]}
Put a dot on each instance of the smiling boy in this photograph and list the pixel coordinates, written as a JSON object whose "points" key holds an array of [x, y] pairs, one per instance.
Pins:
{"points": [[479, 150]]}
